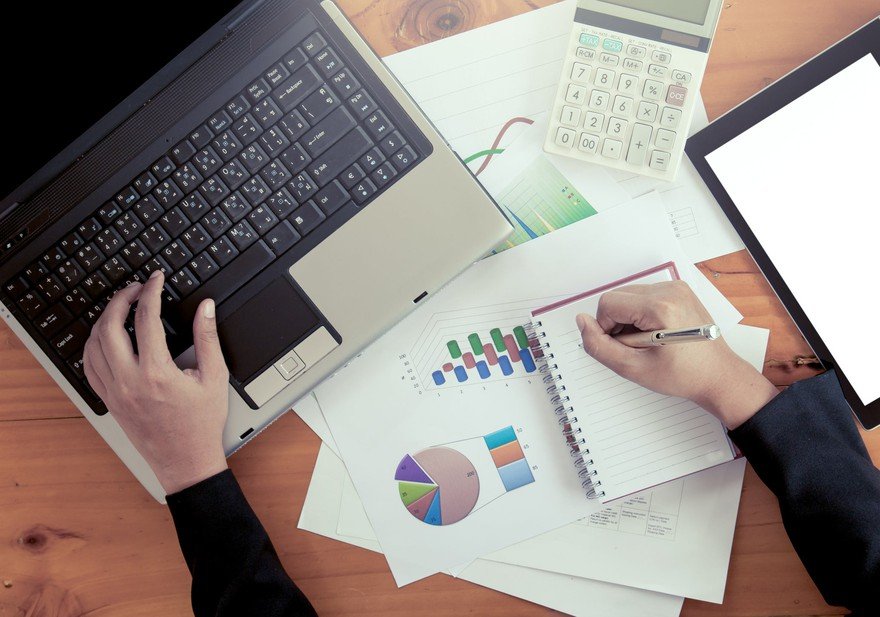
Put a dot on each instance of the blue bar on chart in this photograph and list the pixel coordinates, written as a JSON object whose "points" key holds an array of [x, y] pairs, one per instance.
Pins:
{"points": [[461, 374], [439, 379], [527, 361], [504, 363], [483, 370], [509, 458]]}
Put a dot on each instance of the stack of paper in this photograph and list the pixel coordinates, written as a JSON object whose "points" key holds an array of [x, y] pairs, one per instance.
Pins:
{"points": [[401, 426]]}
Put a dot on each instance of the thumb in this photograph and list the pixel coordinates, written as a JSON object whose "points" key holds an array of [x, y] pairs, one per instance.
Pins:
{"points": [[601, 346], [209, 356]]}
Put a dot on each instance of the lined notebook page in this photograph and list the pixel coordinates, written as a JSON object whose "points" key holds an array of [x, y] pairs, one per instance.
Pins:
{"points": [[637, 438]]}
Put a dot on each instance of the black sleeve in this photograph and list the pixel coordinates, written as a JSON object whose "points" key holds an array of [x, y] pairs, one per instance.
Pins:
{"points": [[234, 566], [806, 448]]}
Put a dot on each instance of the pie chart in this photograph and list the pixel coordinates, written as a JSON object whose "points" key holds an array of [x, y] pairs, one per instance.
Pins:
{"points": [[439, 486]]}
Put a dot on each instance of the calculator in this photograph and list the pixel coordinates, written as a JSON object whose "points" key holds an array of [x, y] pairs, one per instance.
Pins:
{"points": [[630, 82]]}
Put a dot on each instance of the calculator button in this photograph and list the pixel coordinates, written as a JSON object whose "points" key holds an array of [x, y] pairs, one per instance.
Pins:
{"points": [[599, 100], [576, 94], [590, 40], [655, 70], [628, 84], [676, 95], [605, 78], [609, 59], [612, 148], [580, 73], [648, 111], [594, 121], [681, 77], [661, 56], [617, 127], [653, 90], [665, 139], [671, 118], [564, 137], [638, 144], [636, 52], [633, 65], [623, 105], [612, 45], [660, 160], [585, 54], [588, 143], [570, 116]]}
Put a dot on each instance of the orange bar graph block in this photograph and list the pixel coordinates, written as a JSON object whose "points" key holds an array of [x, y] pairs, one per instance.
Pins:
{"points": [[506, 454]]}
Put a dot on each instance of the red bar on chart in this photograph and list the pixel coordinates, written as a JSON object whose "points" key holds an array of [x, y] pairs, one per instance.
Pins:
{"points": [[469, 361], [491, 356], [447, 368], [512, 349]]}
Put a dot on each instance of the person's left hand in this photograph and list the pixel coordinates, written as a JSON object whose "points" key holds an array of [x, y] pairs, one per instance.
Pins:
{"points": [[174, 418]]}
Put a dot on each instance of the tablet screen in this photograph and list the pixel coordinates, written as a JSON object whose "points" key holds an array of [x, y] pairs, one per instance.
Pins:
{"points": [[807, 181]]}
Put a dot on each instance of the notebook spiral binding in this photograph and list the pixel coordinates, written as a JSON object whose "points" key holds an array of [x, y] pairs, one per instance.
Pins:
{"points": [[567, 419]]}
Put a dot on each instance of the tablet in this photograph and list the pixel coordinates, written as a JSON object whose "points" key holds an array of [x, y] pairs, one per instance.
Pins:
{"points": [[796, 168]]}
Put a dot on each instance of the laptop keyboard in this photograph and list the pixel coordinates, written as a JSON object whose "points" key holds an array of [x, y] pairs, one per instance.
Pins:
{"points": [[301, 142]]}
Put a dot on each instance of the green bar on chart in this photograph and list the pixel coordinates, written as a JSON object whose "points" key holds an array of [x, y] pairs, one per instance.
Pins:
{"points": [[498, 339], [476, 344], [454, 349], [521, 339]]}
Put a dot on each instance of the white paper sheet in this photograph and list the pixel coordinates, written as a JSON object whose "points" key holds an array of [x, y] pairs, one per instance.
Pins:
{"points": [[575, 596], [383, 407], [694, 215]]}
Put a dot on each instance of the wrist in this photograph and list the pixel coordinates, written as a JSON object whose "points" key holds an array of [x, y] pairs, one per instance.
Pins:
{"points": [[734, 399], [176, 476]]}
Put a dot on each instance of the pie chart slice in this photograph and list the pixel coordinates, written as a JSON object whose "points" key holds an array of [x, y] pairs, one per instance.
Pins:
{"points": [[449, 488]]}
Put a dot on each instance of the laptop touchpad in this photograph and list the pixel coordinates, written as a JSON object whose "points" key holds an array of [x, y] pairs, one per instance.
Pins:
{"points": [[264, 327]]}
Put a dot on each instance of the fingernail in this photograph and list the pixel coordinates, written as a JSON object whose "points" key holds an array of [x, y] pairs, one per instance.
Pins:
{"points": [[581, 322], [210, 309], [156, 274]]}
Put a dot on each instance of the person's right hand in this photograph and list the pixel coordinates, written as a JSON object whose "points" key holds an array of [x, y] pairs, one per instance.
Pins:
{"points": [[710, 374]]}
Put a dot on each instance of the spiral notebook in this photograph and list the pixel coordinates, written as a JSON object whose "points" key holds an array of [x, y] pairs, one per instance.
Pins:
{"points": [[623, 437]]}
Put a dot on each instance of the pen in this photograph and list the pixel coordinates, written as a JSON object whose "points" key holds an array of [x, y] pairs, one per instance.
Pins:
{"points": [[659, 338]]}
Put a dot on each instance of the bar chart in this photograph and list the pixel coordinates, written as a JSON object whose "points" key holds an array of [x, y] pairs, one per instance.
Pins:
{"points": [[476, 346]]}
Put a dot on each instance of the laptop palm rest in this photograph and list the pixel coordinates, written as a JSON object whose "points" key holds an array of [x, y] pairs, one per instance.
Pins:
{"points": [[271, 339]]}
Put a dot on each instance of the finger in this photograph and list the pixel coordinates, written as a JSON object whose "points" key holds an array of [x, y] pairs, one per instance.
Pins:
{"points": [[152, 346], [602, 346], [92, 376], [629, 308], [111, 330], [209, 356]]}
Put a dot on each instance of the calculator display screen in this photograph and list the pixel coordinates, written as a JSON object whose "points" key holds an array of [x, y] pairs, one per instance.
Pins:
{"points": [[693, 11]]}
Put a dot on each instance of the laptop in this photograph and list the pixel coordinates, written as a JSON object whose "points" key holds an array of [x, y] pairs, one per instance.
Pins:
{"points": [[271, 162]]}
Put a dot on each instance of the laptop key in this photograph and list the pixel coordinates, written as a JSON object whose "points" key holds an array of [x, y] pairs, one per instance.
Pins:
{"points": [[294, 125], [234, 174], [15, 287], [281, 203], [274, 141], [227, 145], [70, 273], [168, 193], [246, 129], [128, 226], [362, 104], [109, 241], [214, 191], [156, 264], [327, 132], [345, 83], [196, 238], [76, 301], [276, 74], [303, 187], [135, 254], [223, 251], [306, 218], [162, 168], [237, 107], [183, 282], [262, 219], [76, 364], [37, 271], [194, 206], [403, 158], [127, 197], [187, 177], [347, 150], [328, 62], [219, 122], [54, 258], [392, 143], [71, 339], [51, 288], [115, 269], [31, 303], [371, 160], [266, 112], [207, 161], [203, 267], [314, 43], [96, 285], [351, 176], [281, 237], [236, 207], [319, 103], [182, 152], [148, 210], [363, 191], [295, 158], [70, 243], [378, 125], [383, 174], [89, 257], [253, 158], [52, 321], [297, 87], [216, 223], [108, 212], [242, 235], [201, 137], [295, 59], [176, 254], [275, 175], [255, 190], [144, 183], [257, 90]]}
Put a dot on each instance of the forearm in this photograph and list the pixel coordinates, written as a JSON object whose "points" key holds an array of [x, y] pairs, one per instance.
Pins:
{"points": [[234, 566], [804, 445]]}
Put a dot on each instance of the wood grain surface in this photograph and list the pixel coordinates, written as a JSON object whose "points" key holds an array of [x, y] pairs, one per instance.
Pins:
{"points": [[79, 536]]}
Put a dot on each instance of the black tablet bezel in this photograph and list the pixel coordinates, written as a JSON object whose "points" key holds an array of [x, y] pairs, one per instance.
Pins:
{"points": [[864, 41]]}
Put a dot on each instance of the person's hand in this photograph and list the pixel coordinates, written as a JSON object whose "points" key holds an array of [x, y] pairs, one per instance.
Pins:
{"points": [[710, 373], [174, 418]]}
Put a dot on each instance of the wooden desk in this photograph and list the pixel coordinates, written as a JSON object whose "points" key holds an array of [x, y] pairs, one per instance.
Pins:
{"points": [[78, 535]]}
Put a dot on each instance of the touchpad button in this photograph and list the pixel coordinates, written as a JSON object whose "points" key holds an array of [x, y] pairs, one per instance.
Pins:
{"points": [[264, 327]]}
